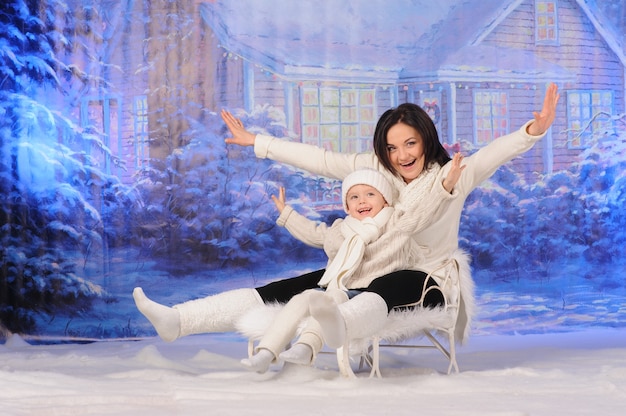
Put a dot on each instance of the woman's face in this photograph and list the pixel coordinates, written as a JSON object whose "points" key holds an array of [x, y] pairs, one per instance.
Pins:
{"points": [[406, 151]]}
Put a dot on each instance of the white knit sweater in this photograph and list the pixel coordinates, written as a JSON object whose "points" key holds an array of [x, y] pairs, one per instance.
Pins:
{"points": [[439, 239], [394, 250]]}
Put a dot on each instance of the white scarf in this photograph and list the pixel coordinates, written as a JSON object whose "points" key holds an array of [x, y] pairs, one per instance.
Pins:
{"points": [[357, 235]]}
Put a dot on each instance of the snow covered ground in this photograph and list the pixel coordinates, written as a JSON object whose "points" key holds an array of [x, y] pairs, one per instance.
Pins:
{"points": [[581, 372]]}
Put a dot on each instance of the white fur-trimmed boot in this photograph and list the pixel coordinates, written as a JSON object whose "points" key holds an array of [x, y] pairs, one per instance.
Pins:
{"points": [[216, 313], [259, 362], [360, 317]]}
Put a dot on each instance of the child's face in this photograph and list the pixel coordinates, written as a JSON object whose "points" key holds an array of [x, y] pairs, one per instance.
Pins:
{"points": [[364, 201]]}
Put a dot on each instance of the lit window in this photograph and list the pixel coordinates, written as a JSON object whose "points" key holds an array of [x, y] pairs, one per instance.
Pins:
{"points": [[339, 119], [588, 112], [490, 115], [546, 22], [101, 116]]}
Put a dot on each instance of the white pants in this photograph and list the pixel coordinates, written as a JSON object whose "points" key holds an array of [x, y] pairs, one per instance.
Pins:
{"points": [[295, 315]]}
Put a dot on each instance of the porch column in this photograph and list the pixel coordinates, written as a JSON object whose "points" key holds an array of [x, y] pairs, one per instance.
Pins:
{"points": [[452, 135]]}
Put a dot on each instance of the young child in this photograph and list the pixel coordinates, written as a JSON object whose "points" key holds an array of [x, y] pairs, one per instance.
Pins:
{"points": [[373, 240]]}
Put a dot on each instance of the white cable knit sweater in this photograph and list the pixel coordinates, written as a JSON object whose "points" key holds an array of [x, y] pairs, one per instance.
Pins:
{"points": [[394, 249]]}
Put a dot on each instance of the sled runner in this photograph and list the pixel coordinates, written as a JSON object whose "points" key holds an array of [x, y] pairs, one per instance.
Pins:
{"points": [[408, 324]]}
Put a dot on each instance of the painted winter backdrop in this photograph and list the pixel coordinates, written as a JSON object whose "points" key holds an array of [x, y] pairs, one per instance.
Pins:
{"points": [[75, 238]]}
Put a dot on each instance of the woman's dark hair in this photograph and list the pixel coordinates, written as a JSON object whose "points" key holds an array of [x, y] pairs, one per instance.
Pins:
{"points": [[414, 116]]}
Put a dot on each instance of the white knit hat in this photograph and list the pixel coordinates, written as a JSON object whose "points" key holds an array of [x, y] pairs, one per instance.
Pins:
{"points": [[369, 177]]}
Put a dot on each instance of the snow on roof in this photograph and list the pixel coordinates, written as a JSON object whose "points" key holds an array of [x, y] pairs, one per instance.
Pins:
{"points": [[327, 35], [375, 40]]}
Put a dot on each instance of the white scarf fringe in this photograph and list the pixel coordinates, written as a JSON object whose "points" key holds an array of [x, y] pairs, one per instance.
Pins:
{"points": [[357, 235]]}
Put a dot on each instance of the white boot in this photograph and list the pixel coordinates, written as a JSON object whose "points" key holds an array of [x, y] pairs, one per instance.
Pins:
{"points": [[285, 325], [164, 319], [259, 362], [360, 317], [298, 354], [217, 313]]}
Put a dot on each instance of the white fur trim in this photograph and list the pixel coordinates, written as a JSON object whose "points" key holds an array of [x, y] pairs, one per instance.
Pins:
{"points": [[403, 324]]}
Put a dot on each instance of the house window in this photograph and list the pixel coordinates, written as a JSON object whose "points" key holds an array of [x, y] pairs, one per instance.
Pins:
{"points": [[588, 112], [140, 127], [546, 23], [101, 116], [491, 115], [339, 119]]}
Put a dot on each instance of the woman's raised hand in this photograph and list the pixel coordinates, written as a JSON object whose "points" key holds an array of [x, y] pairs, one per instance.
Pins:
{"points": [[240, 135], [454, 173], [543, 120], [280, 201]]}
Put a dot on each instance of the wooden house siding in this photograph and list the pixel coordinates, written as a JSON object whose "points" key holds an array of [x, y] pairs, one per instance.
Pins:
{"points": [[228, 90], [464, 113], [519, 100], [517, 30], [268, 88], [384, 98], [412, 93]]}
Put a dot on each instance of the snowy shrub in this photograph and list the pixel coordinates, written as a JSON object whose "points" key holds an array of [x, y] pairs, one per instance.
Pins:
{"points": [[209, 205], [526, 231]]}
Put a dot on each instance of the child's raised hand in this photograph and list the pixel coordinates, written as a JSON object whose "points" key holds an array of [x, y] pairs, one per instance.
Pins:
{"points": [[280, 201], [241, 136], [455, 172]]}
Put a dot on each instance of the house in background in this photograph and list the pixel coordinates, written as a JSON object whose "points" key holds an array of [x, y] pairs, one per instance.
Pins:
{"points": [[478, 67]]}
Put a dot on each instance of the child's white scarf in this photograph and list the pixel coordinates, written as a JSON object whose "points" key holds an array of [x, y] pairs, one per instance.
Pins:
{"points": [[357, 235]]}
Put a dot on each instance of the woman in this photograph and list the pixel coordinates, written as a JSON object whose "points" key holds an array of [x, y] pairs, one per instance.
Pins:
{"points": [[405, 144], [374, 239]]}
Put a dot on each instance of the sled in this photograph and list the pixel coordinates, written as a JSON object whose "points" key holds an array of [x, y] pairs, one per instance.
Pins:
{"points": [[408, 326]]}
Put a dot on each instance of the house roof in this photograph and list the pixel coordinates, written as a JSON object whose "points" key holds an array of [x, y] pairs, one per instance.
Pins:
{"points": [[608, 18], [334, 39], [458, 54], [487, 63], [364, 41]]}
